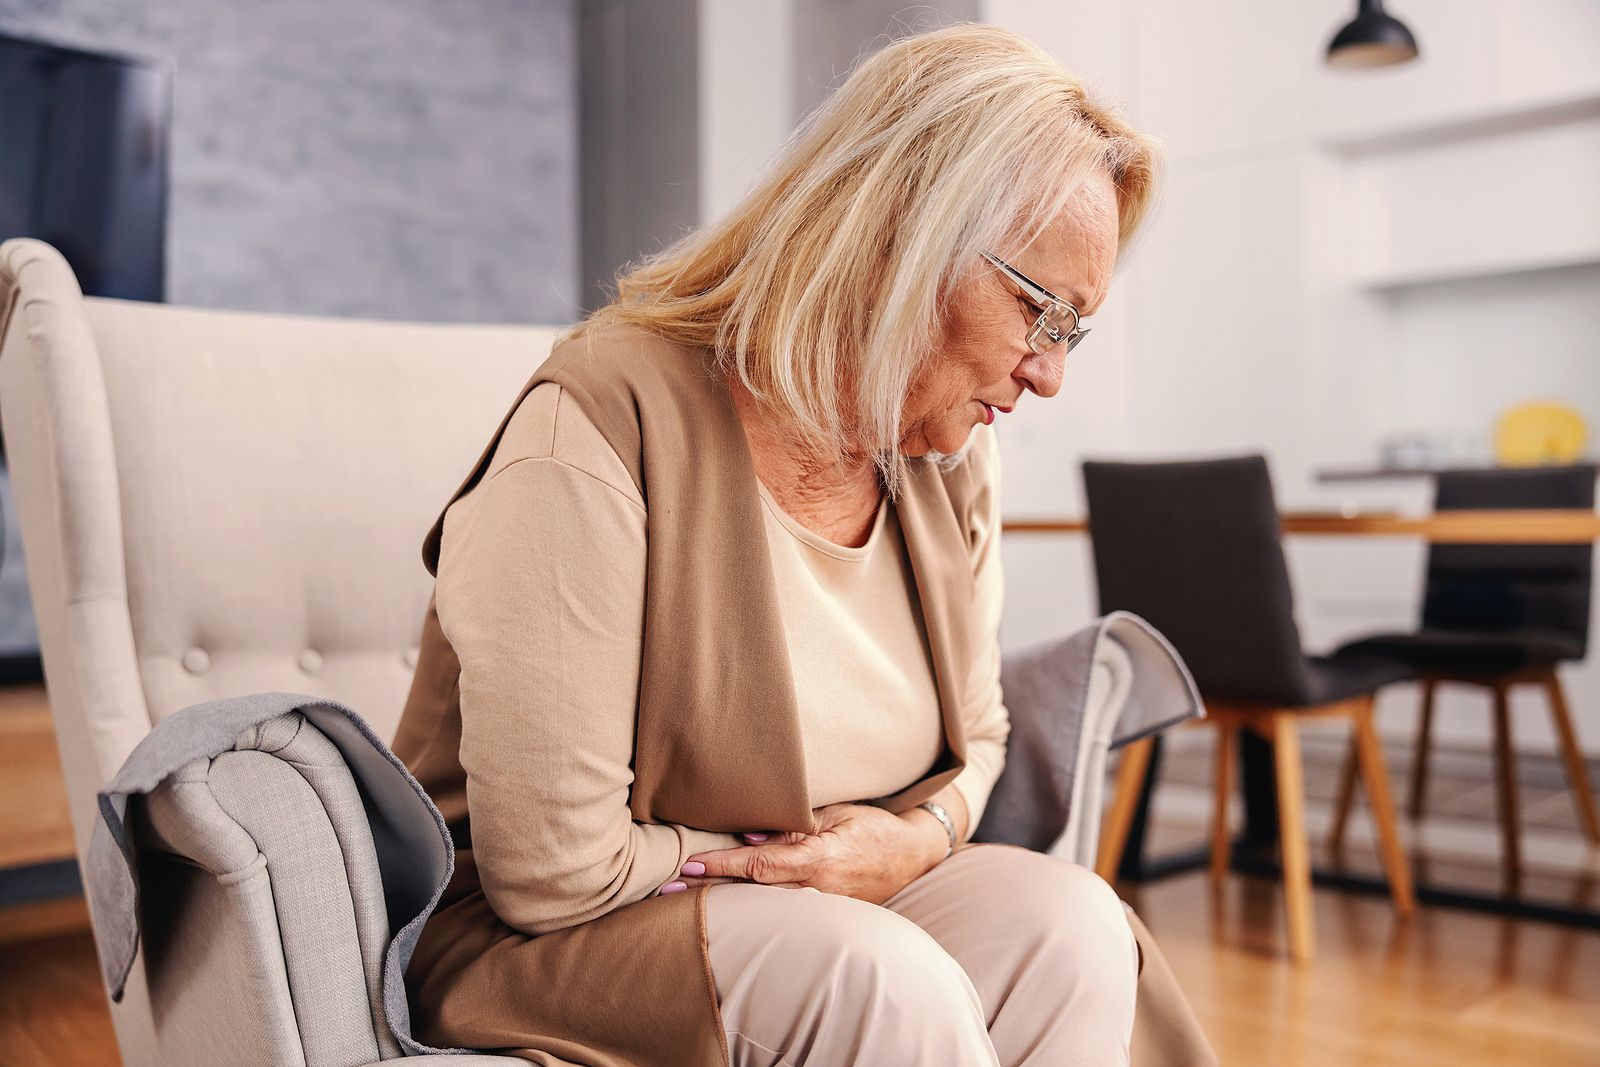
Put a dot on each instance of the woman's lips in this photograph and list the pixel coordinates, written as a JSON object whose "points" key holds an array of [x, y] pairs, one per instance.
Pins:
{"points": [[989, 411]]}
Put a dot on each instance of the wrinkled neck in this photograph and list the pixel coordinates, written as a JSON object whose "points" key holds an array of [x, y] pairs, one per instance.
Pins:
{"points": [[837, 499]]}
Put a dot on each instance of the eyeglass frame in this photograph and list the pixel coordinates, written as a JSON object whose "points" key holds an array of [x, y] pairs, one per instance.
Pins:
{"points": [[1049, 304]]}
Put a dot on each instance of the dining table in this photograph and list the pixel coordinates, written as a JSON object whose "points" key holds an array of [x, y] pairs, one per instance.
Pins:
{"points": [[1257, 841], [1499, 527]]}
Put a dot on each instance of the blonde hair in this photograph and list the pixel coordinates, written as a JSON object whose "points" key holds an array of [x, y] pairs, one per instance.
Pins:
{"points": [[826, 287]]}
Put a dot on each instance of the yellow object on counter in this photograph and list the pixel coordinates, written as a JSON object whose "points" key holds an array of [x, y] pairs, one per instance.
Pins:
{"points": [[1531, 435]]}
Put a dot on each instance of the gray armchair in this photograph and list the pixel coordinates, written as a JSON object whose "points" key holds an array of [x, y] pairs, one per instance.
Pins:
{"points": [[219, 503]]}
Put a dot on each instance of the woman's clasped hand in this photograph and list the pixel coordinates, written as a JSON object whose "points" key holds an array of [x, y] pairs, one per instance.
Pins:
{"points": [[858, 850]]}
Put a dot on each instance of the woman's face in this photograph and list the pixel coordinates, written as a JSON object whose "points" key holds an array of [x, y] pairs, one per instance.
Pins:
{"points": [[984, 356]]}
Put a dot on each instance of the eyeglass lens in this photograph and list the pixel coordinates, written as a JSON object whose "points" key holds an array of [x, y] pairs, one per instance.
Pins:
{"points": [[1058, 324]]}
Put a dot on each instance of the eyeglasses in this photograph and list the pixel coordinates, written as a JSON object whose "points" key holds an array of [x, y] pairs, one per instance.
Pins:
{"points": [[1058, 320]]}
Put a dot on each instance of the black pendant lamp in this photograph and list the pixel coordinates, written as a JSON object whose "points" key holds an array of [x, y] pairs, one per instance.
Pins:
{"points": [[1372, 39]]}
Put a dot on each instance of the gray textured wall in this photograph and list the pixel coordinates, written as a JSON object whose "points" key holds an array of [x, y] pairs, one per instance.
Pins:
{"points": [[639, 132], [396, 159]]}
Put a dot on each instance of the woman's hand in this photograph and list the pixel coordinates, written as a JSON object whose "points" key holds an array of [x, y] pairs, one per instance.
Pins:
{"points": [[859, 850]]}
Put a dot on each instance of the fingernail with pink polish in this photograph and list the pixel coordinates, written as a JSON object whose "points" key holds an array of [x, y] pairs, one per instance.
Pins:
{"points": [[753, 836], [673, 887], [693, 867]]}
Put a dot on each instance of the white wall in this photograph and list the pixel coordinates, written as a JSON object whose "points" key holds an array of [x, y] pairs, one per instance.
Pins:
{"points": [[1338, 257], [763, 65], [746, 94], [1463, 349]]}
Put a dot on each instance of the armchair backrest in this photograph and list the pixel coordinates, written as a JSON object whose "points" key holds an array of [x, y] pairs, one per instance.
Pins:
{"points": [[217, 502]]}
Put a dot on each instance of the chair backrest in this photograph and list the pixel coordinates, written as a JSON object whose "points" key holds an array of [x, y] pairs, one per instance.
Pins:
{"points": [[1193, 547], [1512, 587], [217, 503]]}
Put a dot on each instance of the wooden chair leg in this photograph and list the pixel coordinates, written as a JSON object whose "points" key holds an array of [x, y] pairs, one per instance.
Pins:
{"points": [[1124, 802], [1376, 780], [1506, 779], [1419, 760], [1572, 755], [1345, 797], [1222, 789], [1292, 832]]}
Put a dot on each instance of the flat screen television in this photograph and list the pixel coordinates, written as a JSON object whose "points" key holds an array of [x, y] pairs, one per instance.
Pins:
{"points": [[83, 165], [83, 161]]}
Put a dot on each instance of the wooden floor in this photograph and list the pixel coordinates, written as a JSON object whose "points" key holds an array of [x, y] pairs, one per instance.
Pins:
{"points": [[53, 1007], [1449, 988], [38, 826]]}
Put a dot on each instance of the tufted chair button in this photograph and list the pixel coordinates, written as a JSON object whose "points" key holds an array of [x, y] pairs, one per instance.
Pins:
{"points": [[310, 661], [410, 657], [195, 660]]}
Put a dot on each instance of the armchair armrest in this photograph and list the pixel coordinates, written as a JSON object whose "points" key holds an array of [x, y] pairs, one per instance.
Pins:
{"points": [[1110, 686], [263, 916], [1071, 701]]}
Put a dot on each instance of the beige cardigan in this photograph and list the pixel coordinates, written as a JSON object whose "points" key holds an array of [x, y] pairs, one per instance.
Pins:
{"points": [[717, 740], [541, 587]]}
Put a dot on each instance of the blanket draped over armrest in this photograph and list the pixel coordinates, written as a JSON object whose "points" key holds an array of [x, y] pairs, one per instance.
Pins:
{"points": [[415, 853], [1055, 755]]}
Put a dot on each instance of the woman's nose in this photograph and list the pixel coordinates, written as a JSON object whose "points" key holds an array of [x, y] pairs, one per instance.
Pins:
{"points": [[1043, 374]]}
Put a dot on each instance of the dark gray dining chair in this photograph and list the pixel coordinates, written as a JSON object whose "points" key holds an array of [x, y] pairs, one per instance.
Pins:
{"points": [[1496, 616], [1193, 547]]}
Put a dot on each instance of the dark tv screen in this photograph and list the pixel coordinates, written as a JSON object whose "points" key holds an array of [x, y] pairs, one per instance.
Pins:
{"points": [[83, 162]]}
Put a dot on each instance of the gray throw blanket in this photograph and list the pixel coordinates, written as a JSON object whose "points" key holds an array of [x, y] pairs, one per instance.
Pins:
{"points": [[415, 854], [1048, 793]]}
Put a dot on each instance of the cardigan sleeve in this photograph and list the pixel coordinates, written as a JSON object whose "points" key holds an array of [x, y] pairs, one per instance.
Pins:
{"points": [[987, 721], [541, 595]]}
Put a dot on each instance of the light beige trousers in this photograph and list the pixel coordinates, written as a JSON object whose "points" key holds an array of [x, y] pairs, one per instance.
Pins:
{"points": [[999, 955]]}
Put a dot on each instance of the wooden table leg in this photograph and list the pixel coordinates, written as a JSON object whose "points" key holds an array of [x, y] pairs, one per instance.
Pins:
{"points": [[1292, 834], [1221, 788]]}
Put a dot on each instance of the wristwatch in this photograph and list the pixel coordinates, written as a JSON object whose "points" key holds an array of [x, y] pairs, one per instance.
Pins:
{"points": [[938, 812]]}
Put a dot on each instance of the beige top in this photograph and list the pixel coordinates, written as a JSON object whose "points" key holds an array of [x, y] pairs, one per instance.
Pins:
{"points": [[553, 636]]}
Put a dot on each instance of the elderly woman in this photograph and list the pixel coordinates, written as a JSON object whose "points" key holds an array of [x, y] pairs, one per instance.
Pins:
{"points": [[711, 662]]}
